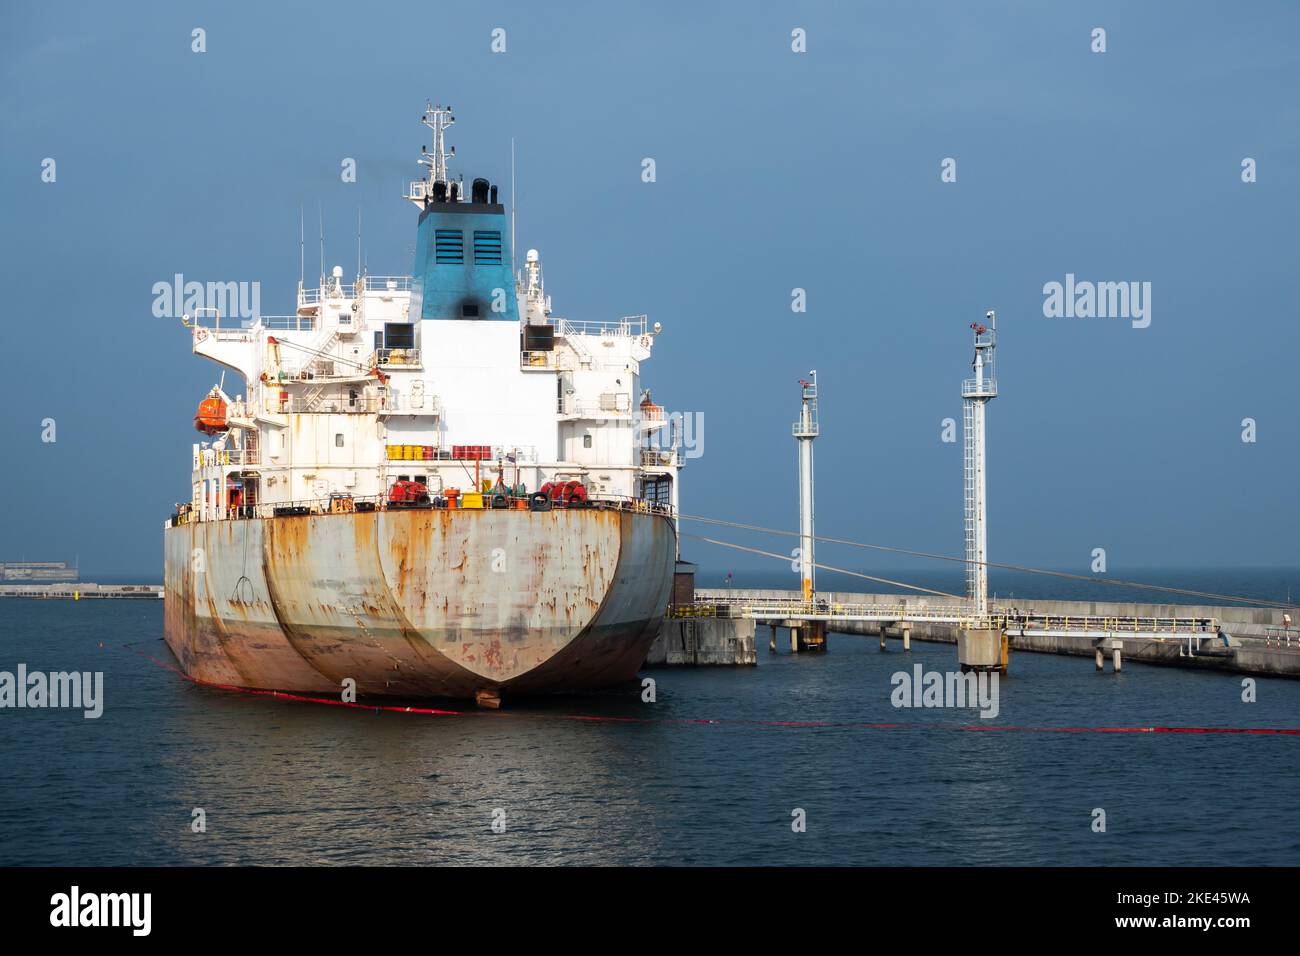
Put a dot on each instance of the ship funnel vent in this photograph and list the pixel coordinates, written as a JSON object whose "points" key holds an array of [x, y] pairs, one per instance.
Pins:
{"points": [[449, 246], [487, 245]]}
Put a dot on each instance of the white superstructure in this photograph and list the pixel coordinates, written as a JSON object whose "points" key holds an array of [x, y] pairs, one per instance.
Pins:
{"points": [[336, 395]]}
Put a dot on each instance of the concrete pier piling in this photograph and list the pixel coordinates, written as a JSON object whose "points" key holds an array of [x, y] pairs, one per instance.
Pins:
{"points": [[704, 642], [981, 649], [1116, 648], [898, 629], [806, 636]]}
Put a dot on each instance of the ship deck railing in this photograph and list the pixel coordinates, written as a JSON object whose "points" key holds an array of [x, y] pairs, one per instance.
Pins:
{"points": [[288, 323], [388, 283], [348, 504], [628, 326], [210, 321], [656, 457], [609, 405], [346, 290], [234, 327], [212, 457], [387, 358], [538, 359], [346, 405]]}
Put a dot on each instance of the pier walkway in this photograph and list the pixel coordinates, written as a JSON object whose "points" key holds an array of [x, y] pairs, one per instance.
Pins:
{"points": [[1242, 639], [80, 592], [770, 610], [809, 620]]}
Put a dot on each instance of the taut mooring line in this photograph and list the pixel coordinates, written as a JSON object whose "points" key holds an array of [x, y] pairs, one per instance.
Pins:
{"points": [[825, 567], [1118, 582]]}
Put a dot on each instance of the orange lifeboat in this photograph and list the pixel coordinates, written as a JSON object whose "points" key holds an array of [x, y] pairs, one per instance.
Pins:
{"points": [[211, 416]]}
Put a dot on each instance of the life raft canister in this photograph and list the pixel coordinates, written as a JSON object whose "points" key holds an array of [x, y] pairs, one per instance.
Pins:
{"points": [[564, 493], [405, 492]]}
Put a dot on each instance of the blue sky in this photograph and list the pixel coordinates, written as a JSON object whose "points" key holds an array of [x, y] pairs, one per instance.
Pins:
{"points": [[775, 170]]}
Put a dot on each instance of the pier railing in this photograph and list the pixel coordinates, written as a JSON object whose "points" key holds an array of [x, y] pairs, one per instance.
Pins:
{"points": [[1281, 637], [959, 615]]}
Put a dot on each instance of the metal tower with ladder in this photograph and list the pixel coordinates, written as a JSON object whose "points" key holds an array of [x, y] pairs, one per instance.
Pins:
{"points": [[981, 646], [806, 635]]}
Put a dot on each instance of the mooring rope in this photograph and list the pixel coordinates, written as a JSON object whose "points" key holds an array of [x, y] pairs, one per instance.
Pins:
{"points": [[1118, 582], [826, 567]]}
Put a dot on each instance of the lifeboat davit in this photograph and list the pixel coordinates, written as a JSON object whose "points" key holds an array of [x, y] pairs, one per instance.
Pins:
{"points": [[211, 416]]}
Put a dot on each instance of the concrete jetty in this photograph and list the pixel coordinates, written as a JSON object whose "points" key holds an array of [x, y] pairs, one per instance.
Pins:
{"points": [[1251, 640], [82, 591], [703, 642], [692, 636]]}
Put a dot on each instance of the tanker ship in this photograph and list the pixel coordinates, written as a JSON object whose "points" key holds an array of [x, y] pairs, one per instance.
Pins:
{"points": [[429, 484]]}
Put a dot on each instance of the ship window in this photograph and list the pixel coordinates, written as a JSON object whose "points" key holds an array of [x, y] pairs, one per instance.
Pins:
{"points": [[487, 246], [399, 335], [338, 440], [449, 246], [586, 441]]}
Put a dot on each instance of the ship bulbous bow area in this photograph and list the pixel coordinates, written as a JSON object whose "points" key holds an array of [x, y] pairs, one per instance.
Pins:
{"points": [[419, 603]]}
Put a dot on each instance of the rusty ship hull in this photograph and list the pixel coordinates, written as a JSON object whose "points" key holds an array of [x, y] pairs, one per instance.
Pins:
{"points": [[419, 603]]}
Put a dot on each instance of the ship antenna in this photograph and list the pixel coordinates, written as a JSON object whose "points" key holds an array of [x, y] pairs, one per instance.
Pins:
{"points": [[302, 249], [358, 240], [512, 205], [320, 210], [437, 118]]}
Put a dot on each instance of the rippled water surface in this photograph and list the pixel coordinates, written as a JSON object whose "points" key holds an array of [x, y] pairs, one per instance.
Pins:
{"points": [[301, 783]]}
